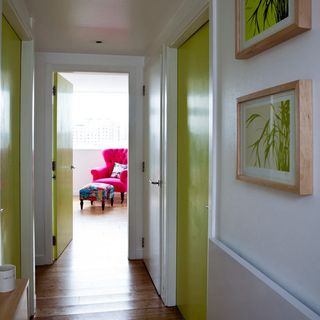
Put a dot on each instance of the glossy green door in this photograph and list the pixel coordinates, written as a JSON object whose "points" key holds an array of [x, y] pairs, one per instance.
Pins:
{"points": [[62, 155], [10, 145], [192, 197]]}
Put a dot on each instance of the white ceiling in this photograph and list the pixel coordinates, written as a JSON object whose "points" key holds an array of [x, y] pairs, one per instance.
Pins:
{"points": [[125, 26]]}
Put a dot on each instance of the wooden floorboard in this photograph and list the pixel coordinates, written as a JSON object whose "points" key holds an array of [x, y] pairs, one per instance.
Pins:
{"points": [[93, 279]]}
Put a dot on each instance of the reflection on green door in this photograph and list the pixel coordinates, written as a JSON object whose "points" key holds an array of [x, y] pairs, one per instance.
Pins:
{"points": [[192, 197], [10, 145]]}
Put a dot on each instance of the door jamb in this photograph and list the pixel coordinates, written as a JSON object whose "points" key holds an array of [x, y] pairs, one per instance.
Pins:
{"points": [[169, 176], [134, 135], [169, 157], [16, 14]]}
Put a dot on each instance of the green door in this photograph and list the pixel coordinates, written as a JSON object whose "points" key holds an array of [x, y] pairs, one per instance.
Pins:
{"points": [[62, 155], [192, 197], [10, 146]]}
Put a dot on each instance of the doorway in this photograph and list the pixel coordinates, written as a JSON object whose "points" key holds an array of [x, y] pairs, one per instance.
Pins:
{"points": [[97, 121]]}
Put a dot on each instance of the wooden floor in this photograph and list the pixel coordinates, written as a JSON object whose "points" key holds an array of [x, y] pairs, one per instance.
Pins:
{"points": [[93, 279]]}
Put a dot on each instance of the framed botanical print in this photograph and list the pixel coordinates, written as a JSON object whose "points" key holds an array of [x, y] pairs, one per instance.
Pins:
{"points": [[262, 24], [274, 137]]}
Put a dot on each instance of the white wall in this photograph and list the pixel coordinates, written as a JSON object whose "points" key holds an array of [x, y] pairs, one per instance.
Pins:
{"points": [[278, 232], [46, 63], [244, 293], [84, 161]]}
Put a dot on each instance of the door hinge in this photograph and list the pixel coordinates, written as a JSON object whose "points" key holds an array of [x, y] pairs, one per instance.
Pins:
{"points": [[53, 165], [143, 166], [54, 240], [54, 91], [144, 90], [142, 242]]}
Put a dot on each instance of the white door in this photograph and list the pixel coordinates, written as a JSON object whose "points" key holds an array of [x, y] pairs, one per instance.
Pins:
{"points": [[152, 183]]}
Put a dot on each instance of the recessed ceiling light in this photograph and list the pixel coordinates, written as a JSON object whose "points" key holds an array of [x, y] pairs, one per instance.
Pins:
{"points": [[99, 41]]}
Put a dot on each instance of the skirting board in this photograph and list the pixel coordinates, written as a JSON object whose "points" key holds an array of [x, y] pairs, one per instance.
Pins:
{"points": [[238, 291]]}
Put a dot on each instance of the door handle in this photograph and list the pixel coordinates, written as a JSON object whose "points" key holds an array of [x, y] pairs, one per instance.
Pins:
{"points": [[155, 182], [72, 167], [1, 210]]}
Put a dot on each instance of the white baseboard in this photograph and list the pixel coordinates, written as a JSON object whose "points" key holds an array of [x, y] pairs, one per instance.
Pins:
{"points": [[40, 260], [139, 254]]}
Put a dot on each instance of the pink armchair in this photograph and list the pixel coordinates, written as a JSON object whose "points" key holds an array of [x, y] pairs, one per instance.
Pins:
{"points": [[103, 174]]}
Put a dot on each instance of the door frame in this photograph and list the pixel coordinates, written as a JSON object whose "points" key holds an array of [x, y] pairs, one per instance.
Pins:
{"points": [[46, 64], [168, 175], [207, 14], [17, 15], [169, 156]]}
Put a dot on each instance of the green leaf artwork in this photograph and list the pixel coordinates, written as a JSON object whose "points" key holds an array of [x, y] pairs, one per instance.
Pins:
{"points": [[268, 136], [260, 15]]}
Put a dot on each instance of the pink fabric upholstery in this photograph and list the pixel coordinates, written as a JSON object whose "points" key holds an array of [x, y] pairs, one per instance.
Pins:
{"points": [[102, 174]]}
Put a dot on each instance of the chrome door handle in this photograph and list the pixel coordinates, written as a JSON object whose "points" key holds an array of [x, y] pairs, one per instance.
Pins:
{"points": [[155, 182], [72, 166], [1, 210]]}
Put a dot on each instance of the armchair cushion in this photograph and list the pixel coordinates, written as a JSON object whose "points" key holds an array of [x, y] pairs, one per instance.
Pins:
{"points": [[117, 169], [118, 185], [124, 176]]}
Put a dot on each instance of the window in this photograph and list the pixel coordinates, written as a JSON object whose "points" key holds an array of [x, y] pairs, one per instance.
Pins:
{"points": [[100, 112]]}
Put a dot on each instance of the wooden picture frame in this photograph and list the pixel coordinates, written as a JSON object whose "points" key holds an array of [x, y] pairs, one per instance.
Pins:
{"points": [[257, 28], [274, 137]]}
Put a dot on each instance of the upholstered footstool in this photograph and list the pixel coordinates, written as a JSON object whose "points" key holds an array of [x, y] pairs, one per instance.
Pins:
{"points": [[97, 192]]}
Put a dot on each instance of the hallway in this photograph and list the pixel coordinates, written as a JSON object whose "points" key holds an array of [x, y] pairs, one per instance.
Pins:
{"points": [[93, 278]]}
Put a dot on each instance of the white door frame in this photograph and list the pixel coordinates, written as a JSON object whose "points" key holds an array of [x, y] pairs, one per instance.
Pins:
{"points": [[169, 176], [17, 15], [46, 64], [169, 156]]}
